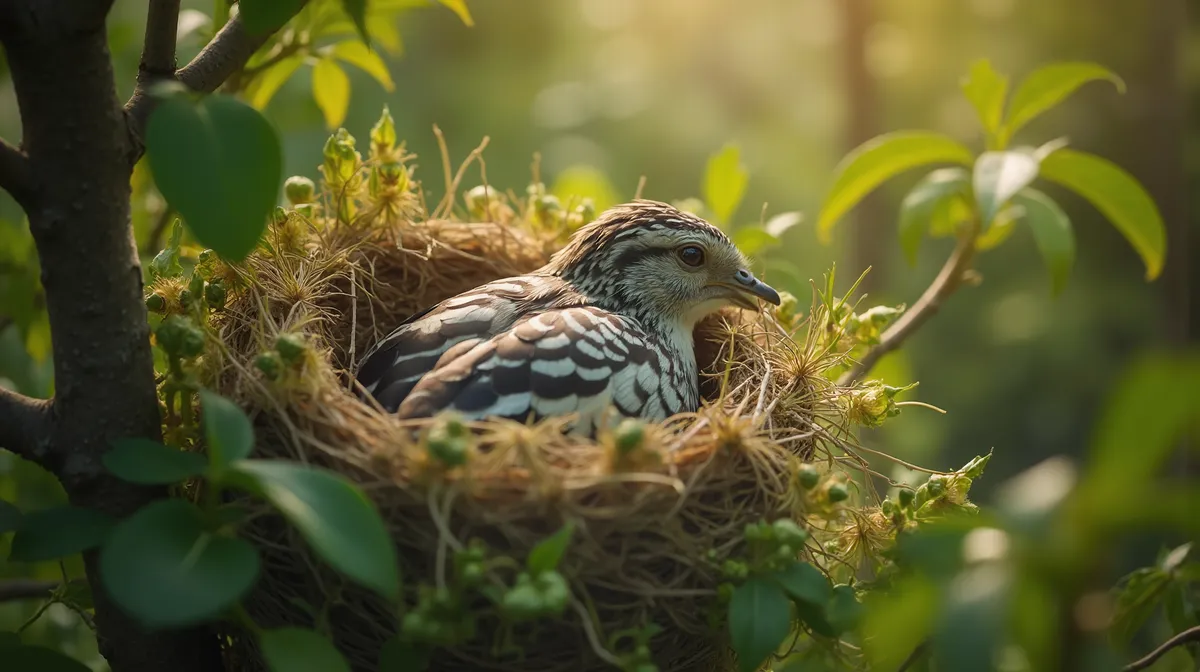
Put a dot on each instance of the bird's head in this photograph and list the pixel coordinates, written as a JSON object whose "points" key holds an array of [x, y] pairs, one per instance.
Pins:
{"points": [[655, 261]]}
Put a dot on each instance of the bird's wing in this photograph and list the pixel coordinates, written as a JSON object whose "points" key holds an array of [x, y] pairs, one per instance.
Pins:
{"points": [[391, 368], [573, 360]]}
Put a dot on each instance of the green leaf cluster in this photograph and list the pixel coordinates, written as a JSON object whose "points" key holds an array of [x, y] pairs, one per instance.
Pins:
{"points": [[982, 196]]}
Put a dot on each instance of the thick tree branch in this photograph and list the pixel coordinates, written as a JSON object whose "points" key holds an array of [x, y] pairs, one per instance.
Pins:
{"points": [[23, 427], [947, 281], [25, 589], [1186, 637], [158, 50], [223, 56], [14, 172]]}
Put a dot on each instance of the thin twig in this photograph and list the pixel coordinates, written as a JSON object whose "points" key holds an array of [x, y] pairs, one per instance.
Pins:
{"points": [[947, 281], [224, 55], [158, 50], [1186, 637], [913, 657], [26, 589]]}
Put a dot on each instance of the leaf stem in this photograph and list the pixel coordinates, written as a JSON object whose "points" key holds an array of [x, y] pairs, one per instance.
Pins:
{"points": [[946, 283], [1186, 637]]}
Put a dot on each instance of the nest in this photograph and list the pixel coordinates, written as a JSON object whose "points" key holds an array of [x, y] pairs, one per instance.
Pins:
{"points": [[651, 527]]}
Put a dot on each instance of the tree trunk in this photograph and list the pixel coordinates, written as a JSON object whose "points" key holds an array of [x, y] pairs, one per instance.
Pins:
{"points": [[78, 146]]}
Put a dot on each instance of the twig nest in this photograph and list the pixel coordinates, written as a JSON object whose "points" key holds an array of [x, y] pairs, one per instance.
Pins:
{"points": [[654, 510]]}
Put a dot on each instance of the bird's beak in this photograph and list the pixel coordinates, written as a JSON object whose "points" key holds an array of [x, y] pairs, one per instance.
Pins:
{"points": [[745, 286]]}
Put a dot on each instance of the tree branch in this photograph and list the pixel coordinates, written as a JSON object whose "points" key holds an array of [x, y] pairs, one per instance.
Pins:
{"points": [[917, 653], [220, 58], [23, 425], [946, 283], [25, 589], [14, 173], [1186, 637], [158, 50]]}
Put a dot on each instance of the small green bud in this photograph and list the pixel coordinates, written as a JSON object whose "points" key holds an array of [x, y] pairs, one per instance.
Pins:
{"points": [[279, 216], [808, 476], [937, 486], [270, 365], [735, 570], [629, 436], [788, 532], [786, 310], [523, 602], [155, 303], [837, 493], [477, 200], [299, 189], [290, 347], [555, 592], [725, 591], [446, 446], [905, 497], [180, 337], [472, 574], [215, 295], [383, 135], [185, 297], [887, 507]]}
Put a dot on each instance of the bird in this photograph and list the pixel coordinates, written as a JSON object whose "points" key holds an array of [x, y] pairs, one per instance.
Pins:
{"points": [[601, 333]]}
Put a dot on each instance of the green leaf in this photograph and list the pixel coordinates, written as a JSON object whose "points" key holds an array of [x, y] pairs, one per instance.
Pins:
{"points": [[1002, 227], [151, 463], [1140, 594], [265, 84], [548, 553], [29, 658], [1155, 401], [986, 88], [582, 181], [56, 533], [331, 89], [1052, 233], [219, 163], [877, 160], [360, 56], [998, 176], [804, 582], [844, 612], [1047, 86], [397, 655], [725, 182], [1174, 559], [752, 239], [300, 650], [332, 514], [262, 17], [357, 10], [166, 569], [459, 7], [10, 517], [760, 618], [1117, 195], [917, 209], [973, 619], [228, 431]]}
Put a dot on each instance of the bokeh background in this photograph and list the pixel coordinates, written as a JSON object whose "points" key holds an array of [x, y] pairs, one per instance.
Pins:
{"points": [[610, 91]]}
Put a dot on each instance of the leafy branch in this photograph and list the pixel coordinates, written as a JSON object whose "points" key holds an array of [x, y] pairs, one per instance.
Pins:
{"points": [[982, 198], [1186, 637]]}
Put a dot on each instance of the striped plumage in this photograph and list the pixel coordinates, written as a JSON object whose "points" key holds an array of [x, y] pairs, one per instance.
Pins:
{"points": [[602, 331]]}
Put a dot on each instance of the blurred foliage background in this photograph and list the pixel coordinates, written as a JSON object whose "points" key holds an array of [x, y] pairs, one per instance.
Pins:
{"points": [[609, 91]]}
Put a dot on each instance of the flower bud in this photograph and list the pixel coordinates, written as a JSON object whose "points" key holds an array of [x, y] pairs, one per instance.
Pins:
{"points": [[837, 493], [299, 189]]}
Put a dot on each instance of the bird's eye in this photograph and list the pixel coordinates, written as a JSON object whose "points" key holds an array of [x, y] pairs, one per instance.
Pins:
{"points": [[691, 255]]}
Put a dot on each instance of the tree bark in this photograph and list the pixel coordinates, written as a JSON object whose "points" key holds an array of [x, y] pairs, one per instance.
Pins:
{"points": [[76, 142]]}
